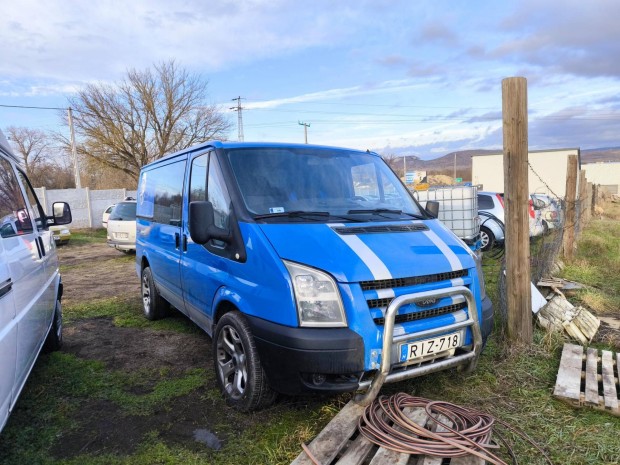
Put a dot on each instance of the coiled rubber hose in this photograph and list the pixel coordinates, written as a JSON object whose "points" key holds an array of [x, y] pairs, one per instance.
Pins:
{"points": [[464, 430]]}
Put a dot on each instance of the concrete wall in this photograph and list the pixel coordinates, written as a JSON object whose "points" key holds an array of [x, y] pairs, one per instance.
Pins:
{"points": [[607, 175], [550, 165], [86, 206]]}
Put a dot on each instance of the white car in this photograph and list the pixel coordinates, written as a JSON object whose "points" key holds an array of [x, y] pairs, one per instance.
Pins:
{"points": [[122, 226], [106, 215], [30, 284]]}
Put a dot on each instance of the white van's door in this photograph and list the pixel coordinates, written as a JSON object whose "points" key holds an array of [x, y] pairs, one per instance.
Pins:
{"points": [[24, 258], [8, 338]]}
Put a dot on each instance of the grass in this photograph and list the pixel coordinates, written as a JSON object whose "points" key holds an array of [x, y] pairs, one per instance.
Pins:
{"points": [[597, 264], [87, 236], [126, 312], [513, 384]]}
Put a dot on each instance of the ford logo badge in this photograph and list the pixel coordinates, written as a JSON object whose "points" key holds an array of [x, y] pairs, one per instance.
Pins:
{"points": [[426, 302]]}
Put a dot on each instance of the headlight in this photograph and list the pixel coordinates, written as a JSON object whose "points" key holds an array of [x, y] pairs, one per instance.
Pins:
{"points": [[317, 297], [483, 291], [65, 232]]}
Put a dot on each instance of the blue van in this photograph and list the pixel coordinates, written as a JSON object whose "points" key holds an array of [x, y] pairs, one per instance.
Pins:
{"points": [[312, 269]]}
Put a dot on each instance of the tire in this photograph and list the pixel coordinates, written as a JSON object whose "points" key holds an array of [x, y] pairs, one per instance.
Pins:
{"points": [[154, 306], [239, 373], [487, 238], [53, 342]]}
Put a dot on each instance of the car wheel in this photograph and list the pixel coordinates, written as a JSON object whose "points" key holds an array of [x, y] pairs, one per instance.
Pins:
{"points": [[487, 238], [239, 372], [54, 337], [154, 305]]}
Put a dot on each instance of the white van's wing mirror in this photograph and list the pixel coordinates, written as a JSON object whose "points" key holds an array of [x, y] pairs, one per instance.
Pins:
{"points": [[61, 214], [202, 224]]}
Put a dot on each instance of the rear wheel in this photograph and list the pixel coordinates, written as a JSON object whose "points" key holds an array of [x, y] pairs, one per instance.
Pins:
{"points": [[154, 305], [54, 337], [240, 374], [487, 238]]}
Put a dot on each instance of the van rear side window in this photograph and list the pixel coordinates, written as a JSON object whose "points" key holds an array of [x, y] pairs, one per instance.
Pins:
{"points": [[160, 193], [14, 217]]}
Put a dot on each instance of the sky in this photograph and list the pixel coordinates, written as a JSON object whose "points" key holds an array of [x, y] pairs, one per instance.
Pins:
{"points": [[410, 77]]}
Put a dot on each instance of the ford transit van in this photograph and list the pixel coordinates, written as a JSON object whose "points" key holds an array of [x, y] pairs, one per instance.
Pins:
{"points": [[30, 284], [312, 268]]}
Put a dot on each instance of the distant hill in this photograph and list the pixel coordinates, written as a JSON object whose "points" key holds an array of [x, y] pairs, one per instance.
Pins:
{"points": [[445, 164]]}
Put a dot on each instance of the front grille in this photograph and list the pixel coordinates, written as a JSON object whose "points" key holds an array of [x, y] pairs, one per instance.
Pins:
{"points": [[414, 281], [423, 314], [381, 229]]}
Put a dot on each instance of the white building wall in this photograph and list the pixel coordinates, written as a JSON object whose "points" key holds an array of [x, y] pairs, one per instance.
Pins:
{"points": [[86, 206], [550, 165], [605, 174]]}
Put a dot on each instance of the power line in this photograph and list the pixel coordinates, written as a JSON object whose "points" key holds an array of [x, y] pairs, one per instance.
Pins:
{"points": [[32, 108]]}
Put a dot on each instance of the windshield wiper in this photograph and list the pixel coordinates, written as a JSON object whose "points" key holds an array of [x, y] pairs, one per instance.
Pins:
{"points": [[387, 210], [292, 214], [375, 210]]}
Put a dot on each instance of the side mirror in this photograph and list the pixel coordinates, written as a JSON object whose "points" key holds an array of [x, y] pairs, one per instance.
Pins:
{"points": [[61, 213], [202, 224], [539, 204], [432, 208]]}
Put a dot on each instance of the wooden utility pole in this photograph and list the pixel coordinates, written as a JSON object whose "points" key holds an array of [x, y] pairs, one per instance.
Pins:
{"points": [[594, 199], [570, 207], [516, 198], [588, 206]]}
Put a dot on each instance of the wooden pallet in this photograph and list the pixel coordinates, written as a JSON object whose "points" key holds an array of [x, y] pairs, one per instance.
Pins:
{"points": [[340, 444], [589, 379]]}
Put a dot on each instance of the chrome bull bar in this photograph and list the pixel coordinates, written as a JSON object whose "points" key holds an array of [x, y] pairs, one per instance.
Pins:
{"points": [[389, 340]]}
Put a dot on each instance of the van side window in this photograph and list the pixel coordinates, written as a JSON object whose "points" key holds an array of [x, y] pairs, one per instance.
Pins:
{"points": [[39, 218], [161, 193], [218, 195], [198, 178], [14, 216]]}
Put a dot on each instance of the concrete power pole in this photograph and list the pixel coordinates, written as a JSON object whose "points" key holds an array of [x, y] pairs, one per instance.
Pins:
{"points": [[238, 109], [306, 126], [76, 162]]}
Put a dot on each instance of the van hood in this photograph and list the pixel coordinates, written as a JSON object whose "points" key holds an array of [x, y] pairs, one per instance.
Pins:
{"points": [[356, 252]]}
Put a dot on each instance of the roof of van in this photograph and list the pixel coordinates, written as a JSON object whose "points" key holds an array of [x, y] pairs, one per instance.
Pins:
{"points": [[236, 145], [6, 148]]}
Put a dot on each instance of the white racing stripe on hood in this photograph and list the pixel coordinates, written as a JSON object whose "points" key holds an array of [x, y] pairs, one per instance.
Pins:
{"points": [[374, 263], [455, 263]]}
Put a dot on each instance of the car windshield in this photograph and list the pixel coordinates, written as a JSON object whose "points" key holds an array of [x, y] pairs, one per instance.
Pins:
{"points": [[125, 211], [318, 184]]}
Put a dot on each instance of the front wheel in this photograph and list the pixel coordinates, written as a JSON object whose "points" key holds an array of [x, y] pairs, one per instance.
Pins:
{"points": [[487, 238], [240, 374]]}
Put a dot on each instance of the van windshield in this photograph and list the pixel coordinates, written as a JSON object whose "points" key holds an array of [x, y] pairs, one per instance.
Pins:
{"points": [[317, 184], [124, 211]]}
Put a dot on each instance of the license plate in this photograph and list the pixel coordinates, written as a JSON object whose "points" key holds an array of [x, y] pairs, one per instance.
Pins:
{"points": [[122, 235], [420, 349]]}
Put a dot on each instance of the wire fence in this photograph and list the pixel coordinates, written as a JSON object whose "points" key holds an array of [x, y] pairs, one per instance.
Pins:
{"points": [[548, 227]]}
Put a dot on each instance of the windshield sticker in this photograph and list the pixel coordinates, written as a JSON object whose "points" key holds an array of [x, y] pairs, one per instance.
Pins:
{"points": [[276, 210]]}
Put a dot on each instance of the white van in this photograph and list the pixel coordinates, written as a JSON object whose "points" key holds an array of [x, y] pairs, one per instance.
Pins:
{"points": [[30, 284]]}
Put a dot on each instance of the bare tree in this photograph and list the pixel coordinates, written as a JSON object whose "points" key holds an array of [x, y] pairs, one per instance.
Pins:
{"points": [[395, 163], [32, 145], [149, 114]]}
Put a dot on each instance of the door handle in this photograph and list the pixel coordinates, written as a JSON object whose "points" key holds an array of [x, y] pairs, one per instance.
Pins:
{"points": [[36, 241], [5, 287], [177, 240], [184, 242]]}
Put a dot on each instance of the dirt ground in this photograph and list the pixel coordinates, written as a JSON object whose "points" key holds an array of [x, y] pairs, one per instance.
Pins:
{"points": [[94, 271], [197, 420]]}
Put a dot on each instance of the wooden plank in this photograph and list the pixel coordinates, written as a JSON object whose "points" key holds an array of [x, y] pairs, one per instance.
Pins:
{"points": [[591, 377], [467, 460], [609, 382], [386, 456], [568, 383], [328, 443], [437, 428], [357, 451]]}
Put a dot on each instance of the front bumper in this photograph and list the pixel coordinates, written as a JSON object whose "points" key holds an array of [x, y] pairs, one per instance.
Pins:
{"points": [[298, 360]]}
